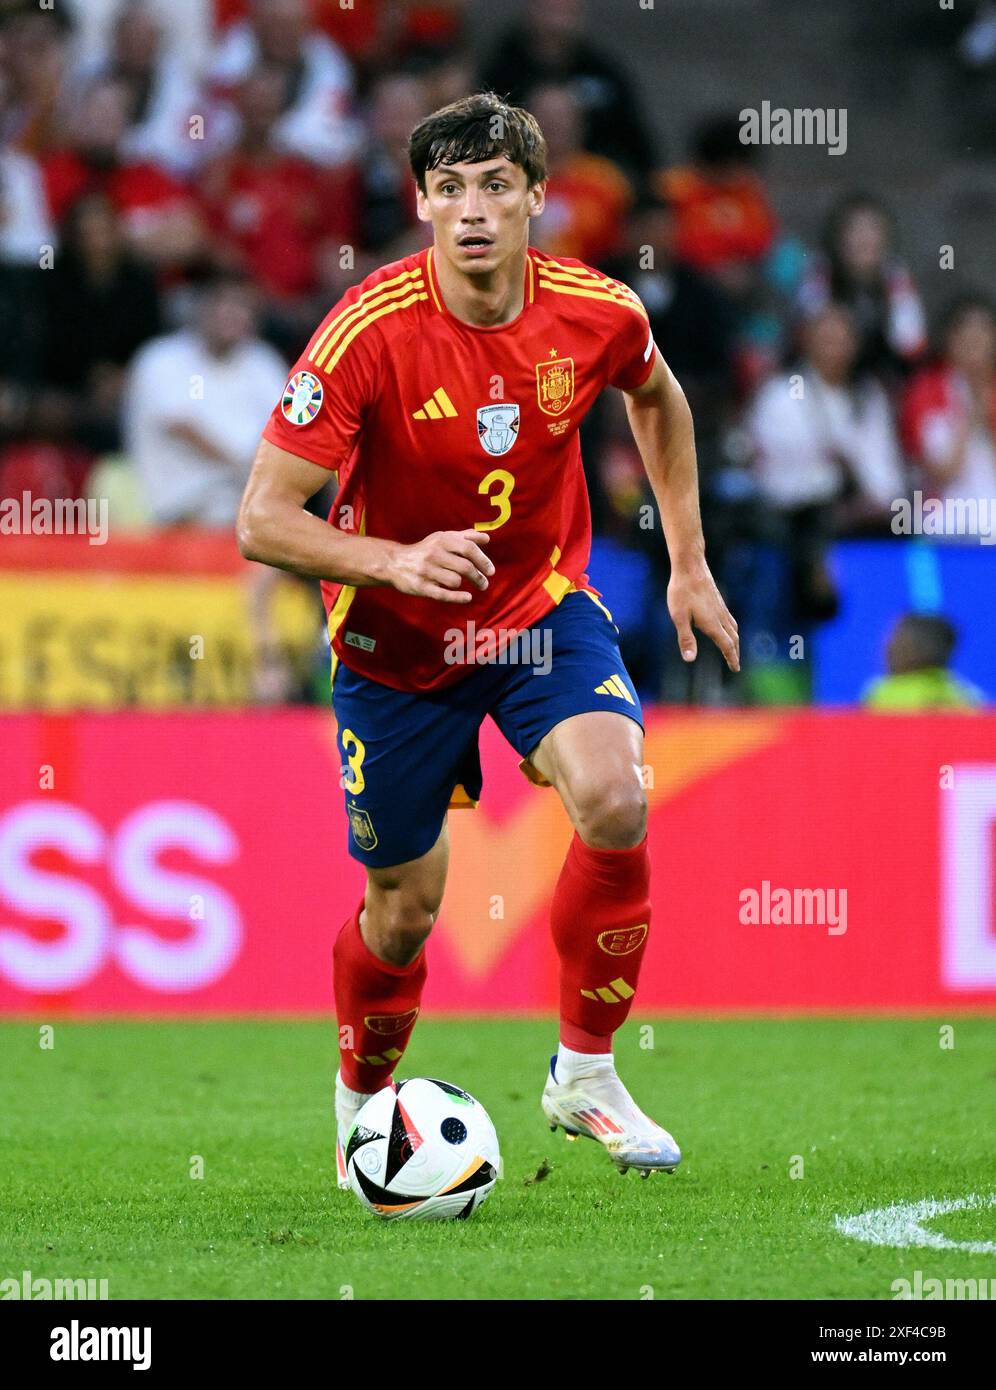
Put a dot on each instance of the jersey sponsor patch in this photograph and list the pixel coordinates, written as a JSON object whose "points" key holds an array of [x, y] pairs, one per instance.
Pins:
{"points": [[497, 427], [302, 398]]}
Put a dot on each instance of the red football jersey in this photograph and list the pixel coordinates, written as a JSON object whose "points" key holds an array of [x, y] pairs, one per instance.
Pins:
{"points": [[435, 425]]}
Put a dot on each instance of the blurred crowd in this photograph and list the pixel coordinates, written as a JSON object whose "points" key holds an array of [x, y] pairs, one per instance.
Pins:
{"points": [[186, 188]]}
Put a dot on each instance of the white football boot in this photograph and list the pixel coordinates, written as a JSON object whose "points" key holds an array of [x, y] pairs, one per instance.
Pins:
{"points": [[598, 1106], [348, 1105]]}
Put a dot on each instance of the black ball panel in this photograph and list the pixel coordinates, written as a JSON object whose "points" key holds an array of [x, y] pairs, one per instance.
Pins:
{"points": [[454, 1131]]}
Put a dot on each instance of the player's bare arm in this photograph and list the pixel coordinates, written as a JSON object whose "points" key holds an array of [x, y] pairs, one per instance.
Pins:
{"points": [[662, 427], [274, 528]]}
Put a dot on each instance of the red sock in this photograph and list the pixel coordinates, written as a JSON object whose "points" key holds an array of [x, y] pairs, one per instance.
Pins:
{"points": [[600, 918], [376, 1006]]}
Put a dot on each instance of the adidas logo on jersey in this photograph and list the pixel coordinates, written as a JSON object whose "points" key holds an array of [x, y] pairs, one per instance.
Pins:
{"points": [[437, 407], [613, 685]]}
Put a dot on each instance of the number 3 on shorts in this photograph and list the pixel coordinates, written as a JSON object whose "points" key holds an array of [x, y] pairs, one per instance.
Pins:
{"points": [[355, 760], [498, 499]]}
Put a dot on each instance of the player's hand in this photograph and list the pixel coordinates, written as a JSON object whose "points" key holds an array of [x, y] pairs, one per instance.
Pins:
{"points": [[438, 566], [692, 597]]}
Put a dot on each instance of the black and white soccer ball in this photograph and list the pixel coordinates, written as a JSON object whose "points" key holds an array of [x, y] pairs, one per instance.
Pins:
{"points": [[422, 1150]]}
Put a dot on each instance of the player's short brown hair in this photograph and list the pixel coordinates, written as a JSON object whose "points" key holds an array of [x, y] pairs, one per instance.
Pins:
{"points": [[476, 128]]}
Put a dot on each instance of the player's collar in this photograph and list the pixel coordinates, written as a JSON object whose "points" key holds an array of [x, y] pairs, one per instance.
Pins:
{"points": [[529, 295]]}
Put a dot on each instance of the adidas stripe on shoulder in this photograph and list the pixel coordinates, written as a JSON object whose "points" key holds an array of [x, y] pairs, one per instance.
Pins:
{"points": [[388, 296], [580, 280]]}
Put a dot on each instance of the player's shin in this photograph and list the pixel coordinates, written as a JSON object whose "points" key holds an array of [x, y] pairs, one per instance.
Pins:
{"points": [[600, 919], [376, 1007]]}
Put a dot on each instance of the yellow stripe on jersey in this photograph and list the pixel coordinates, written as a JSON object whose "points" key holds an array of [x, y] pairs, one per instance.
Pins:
{"points": [[339, 610], [364, 302], [635, 305], [431, 274], [621, 293], [590, 279], [336, 618], [604, 287], [549, 263], [556, 585], [589, 282], [391, 308], [360, 315], [581, 273]]}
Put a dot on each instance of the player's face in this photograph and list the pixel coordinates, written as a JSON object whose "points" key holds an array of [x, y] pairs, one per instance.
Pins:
{"points": [[480, 212]]}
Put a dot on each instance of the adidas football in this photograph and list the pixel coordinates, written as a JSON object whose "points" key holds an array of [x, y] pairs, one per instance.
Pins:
{"points": [[422, 1150]]}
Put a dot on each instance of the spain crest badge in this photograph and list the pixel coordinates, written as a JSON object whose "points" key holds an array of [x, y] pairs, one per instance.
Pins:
{"points": [[555, 385], [361, 827]]}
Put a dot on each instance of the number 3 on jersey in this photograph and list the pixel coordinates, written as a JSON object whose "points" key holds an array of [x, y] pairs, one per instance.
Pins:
{"points": [[497, 497], [356, 782]]}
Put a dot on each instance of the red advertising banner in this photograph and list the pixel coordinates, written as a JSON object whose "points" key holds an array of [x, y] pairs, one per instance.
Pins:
{"points": [[196, 863]]}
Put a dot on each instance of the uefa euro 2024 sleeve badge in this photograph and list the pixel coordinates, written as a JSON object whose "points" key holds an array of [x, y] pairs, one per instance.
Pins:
{"points": [[497, 427], [302, 398]]}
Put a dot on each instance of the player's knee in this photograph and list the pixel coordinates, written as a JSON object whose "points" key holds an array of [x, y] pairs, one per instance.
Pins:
{"points": [[399, 917], [612, 814]]}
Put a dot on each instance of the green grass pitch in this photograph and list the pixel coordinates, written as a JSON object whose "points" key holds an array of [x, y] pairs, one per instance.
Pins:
{"points": [[98, 1133]]}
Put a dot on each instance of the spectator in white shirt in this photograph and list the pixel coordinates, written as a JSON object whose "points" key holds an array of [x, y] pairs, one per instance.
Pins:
{"points": [[825, 439], [195, 405]]}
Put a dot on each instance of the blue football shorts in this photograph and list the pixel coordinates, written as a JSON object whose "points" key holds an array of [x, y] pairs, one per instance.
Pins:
{"points": [[406, 757]]}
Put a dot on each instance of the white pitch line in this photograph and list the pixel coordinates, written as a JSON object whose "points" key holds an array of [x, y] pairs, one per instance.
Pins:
{"points": [[901, 1225]]}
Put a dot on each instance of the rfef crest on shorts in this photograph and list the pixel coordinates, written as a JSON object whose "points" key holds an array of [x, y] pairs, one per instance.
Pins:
{"points": [[302, 399], [497, 427]]}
